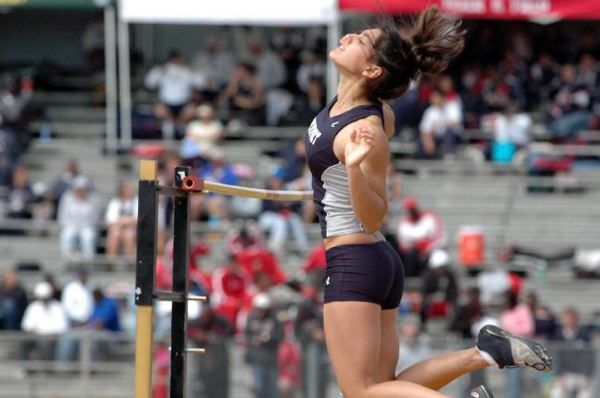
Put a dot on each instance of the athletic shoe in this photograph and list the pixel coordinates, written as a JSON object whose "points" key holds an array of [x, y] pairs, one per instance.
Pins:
{"points": [[508, 350], [480, 392]]}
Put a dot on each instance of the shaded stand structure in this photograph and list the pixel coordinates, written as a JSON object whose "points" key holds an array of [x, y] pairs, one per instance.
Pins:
{"points": [[145, 293]]}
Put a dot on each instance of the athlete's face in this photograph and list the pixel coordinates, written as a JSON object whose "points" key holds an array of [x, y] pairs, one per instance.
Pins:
{"points": [[355, 54]]}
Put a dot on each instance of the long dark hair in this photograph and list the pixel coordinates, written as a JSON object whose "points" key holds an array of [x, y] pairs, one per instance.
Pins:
{"points": [[408, 48]]}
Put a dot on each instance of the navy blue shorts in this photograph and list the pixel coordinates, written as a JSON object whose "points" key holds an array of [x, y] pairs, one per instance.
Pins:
{"points": [[366, 272]]}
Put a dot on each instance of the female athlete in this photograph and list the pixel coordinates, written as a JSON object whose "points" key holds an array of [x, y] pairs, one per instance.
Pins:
{"points": [[347, 152]]}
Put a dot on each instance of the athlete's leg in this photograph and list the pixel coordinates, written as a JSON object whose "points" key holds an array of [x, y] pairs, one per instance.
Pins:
{"points": [[353, 337], [440, 370], [388, 352], [499, 346]]}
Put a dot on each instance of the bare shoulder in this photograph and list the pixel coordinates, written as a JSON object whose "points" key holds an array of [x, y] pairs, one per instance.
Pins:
{"points": [[371, 123], [389, 119]]}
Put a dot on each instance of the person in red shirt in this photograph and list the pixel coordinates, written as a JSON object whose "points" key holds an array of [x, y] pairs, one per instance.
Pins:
{"points": [[261, 261], [231, 286], [419, 233]]}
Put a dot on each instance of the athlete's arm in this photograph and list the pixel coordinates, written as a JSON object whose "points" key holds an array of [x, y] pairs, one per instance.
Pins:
{"points": [[364, 151]]}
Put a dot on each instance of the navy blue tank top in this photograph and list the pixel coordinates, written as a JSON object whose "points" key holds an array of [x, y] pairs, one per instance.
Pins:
{"points": [[329, 175]]}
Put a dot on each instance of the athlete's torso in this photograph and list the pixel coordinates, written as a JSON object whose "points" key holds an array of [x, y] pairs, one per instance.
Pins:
{"points": [[330, 179]]}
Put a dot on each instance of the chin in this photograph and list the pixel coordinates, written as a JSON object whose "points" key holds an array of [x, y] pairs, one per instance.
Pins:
{"points": [[334, 57]]}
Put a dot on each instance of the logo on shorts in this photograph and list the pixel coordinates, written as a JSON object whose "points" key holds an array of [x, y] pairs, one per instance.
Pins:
{"points": [[328, 281]]}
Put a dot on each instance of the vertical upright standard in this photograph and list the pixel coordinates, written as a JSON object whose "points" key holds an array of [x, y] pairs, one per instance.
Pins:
{"points": [[144, 276]]}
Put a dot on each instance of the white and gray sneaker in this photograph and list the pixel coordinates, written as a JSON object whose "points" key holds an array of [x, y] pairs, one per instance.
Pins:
{"points": [[480, 392], [508, 350]]}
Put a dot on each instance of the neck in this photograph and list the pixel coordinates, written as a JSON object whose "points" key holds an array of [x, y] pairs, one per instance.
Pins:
{"points": [[351, 92]]}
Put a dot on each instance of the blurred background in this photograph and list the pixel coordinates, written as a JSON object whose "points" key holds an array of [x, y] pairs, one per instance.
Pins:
{"points": [[493, 190]]}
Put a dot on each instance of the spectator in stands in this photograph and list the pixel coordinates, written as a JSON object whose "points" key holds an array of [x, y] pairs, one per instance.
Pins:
{"points": [[516, 318], [575, 358], [543, 76], [64, 182], [453, 107], [569, 111], [435, 138], [276, 217], [21, 197], [310, 333], [78, 216], [77, 299], [440, 289], [287, 44], [214, 207], [467, 314], [217, 65], [588, 72], [244, 208], [511, 128], [15, 113], [543, 318], [260, 262], [231, 286], [496, 93], [213, 332], [245, 95], [310, 78], [419, 233], [263, 334], [104, 317], [45, 318], [294, 160], [13, 301], [270, 68], [77, 303], [513, 70], [202, 135], [247, 237], [175, 82], [121, 221]]}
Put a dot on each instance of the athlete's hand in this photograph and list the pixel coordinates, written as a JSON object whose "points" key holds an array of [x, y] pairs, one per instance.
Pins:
{"points": [[360, 144]]}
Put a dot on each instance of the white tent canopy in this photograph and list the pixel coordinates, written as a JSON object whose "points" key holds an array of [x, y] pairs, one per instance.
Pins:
{"points": [[218, 12], [230, 12]]}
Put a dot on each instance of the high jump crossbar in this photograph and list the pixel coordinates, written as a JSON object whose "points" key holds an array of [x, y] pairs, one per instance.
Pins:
{"points": [[145, 293]]}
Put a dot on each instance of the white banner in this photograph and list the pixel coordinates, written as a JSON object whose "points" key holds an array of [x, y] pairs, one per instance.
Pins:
{"points": [[229, 12]]}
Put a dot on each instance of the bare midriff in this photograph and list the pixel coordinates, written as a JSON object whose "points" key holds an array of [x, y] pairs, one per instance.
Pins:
{"points": [[356, 238]]}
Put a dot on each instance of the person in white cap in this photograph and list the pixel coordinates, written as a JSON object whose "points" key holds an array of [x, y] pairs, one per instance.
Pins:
{"points": [[440, 289], [78, 214], [44, 317]]}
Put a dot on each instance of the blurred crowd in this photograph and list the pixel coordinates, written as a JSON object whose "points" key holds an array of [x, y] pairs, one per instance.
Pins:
{"points": [[509, 83], [261, 79], [514, 84]]}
